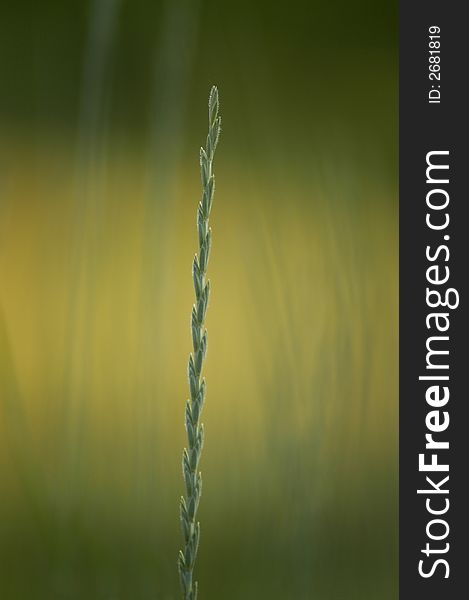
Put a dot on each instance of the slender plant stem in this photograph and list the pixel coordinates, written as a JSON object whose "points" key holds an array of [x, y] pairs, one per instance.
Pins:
{"points": [[195, 429]]}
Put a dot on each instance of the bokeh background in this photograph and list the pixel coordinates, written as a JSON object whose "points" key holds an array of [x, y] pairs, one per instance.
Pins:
{"points": [[102, 113]]}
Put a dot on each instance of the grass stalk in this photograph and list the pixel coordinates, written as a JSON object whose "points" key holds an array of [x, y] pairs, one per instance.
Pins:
{"points": [[194, 428]]}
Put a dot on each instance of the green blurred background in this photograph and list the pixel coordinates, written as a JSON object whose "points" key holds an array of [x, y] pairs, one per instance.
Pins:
{"points": [[102, 112]]}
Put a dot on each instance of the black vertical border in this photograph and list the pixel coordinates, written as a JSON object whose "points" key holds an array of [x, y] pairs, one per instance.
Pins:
{"points": [[425, 127]]}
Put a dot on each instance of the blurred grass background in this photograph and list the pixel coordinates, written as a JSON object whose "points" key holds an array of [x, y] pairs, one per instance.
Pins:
{"points": [[102, 112]]}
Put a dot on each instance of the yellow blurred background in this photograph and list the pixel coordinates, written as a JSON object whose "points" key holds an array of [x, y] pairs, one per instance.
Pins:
{"points": [[97, 235]]}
